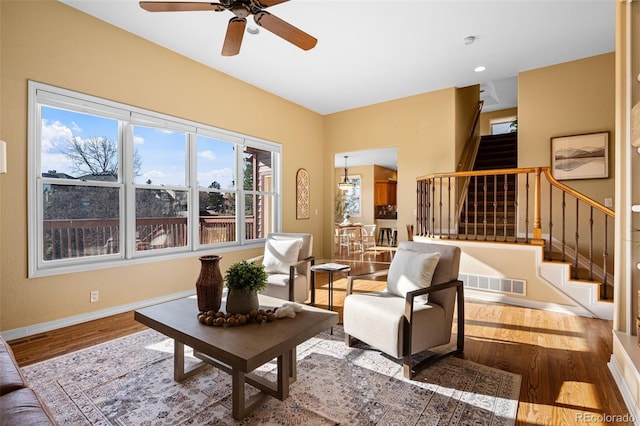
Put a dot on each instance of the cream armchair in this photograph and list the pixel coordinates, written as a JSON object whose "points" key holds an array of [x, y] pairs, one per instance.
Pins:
{"points": [[287, 260], [415, 312]]}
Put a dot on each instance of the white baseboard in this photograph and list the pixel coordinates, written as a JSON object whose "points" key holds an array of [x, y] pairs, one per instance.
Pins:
{"points": [[632, 406], [526, 303], [18, 333]]}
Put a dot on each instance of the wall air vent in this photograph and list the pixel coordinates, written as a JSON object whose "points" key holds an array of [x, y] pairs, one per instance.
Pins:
{"points": [[495, 284]]}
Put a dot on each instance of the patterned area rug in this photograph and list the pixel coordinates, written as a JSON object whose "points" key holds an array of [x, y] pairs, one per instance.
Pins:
{"points": [[129, 381]]}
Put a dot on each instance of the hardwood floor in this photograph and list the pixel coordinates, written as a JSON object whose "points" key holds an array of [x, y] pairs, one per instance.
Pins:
{"points": [[562, 358]]}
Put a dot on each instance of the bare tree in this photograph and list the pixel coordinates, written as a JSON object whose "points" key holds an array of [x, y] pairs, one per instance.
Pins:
{"points": [[96, 156]]}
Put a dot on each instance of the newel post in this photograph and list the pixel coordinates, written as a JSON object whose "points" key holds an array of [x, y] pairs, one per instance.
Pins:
{"points": [[537, 221]]}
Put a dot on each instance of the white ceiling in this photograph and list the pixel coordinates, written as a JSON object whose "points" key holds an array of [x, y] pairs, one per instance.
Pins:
{"points": [[371, 51]]}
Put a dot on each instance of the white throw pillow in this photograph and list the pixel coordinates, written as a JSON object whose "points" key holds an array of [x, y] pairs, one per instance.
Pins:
{"points": [[411, 270], [279, 255]]}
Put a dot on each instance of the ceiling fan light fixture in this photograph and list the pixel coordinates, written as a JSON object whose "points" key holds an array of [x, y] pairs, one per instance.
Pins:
{"points": [[241, 9], [252, 30], [346, 185]]}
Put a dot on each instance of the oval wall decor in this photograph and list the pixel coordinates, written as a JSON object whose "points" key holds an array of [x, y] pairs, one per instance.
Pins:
{"points": [[302, 194]]}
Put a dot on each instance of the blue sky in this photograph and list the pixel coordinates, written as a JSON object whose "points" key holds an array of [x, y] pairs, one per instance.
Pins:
{"points": [[162, 153]]}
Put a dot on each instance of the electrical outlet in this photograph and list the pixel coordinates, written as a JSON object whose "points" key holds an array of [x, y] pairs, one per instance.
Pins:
{"points": [[94, 296], [608, 202]]}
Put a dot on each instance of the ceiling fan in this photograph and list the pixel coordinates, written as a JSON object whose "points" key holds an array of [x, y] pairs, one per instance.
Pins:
{"points": [[235, 30]]}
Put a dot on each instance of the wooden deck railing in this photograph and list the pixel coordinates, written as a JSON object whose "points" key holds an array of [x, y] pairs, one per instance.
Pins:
{"points": [[89, 237], [513, 205]]}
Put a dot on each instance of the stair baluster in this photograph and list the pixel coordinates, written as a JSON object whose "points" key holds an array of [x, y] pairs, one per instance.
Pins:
{"points": [[591, 243], [577, 240], [550, 256]]}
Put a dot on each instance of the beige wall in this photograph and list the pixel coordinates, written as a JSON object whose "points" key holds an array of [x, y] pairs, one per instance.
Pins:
{"points": [[567, 99], [513, 262], [422, 128], [52, 43], [467, 99], [2, 205]]}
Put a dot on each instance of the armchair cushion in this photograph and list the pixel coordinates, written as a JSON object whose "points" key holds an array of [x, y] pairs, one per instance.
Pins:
{"points": [[411, 270], [287, 259], [280, 254], [378, 319]]}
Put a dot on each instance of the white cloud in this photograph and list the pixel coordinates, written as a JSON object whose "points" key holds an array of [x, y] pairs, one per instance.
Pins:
{"points": [[153, 174], [54, 135], [223, 176], [207, 154], [138, 140], [56, 161]]}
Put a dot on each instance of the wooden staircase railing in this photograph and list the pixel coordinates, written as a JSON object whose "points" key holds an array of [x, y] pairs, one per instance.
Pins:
{"points": [[589, 223], [470, 149]]}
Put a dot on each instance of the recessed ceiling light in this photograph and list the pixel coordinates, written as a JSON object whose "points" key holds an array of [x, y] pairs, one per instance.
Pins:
{"points": [[252, 30], [479, 69]]}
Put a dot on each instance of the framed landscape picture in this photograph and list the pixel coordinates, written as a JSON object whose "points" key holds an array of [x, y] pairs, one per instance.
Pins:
{"points": [[580, 156]]}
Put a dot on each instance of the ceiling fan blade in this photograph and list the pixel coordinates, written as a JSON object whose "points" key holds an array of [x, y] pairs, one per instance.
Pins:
{"points": [[267, 3], [175, 6], [233, 39], [285, 30]]}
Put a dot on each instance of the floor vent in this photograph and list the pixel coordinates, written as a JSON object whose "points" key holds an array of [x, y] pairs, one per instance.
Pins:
{"points": [[497, 284]]}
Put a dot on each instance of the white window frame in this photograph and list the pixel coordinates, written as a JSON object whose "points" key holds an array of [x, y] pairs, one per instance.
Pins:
{"points": [[43, 94]]}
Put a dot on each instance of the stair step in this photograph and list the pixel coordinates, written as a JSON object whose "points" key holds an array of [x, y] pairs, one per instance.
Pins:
{"points": [[581, 274]]}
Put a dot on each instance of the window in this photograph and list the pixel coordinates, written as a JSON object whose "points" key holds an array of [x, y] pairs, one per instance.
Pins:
{"points": [[352, 204], [111, 184], [503, 125]]}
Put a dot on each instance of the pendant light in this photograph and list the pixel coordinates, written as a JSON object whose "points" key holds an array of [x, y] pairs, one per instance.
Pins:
{"points": [[345, 185]]}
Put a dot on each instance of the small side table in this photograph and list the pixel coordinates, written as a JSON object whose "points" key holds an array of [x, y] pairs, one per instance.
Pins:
{"points": [[329, 268]]}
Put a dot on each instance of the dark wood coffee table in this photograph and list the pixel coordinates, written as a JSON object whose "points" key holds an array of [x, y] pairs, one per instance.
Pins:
{"points": [[238, 350]]}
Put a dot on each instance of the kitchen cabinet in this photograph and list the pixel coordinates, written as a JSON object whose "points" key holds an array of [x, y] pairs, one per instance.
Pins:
{"points": [[385, 192]]}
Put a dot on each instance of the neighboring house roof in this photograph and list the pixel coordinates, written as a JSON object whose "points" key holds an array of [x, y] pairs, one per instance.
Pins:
{"points": [[55, 175], [102, 177]]}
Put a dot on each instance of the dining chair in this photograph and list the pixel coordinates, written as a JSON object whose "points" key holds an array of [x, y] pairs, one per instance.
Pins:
{"points": [[368, 237]]}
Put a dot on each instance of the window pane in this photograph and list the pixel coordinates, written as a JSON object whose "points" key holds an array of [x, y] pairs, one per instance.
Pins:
{"points": [[160, 157], [352, 197], [161, 219], [503, 127], [78, 146], [80, 221], [217, 217], [258, 216], [256, 167], [216, 164]]}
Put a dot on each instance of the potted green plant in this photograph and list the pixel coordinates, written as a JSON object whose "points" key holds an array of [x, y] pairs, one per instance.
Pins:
{"points": [[244, 280]]}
